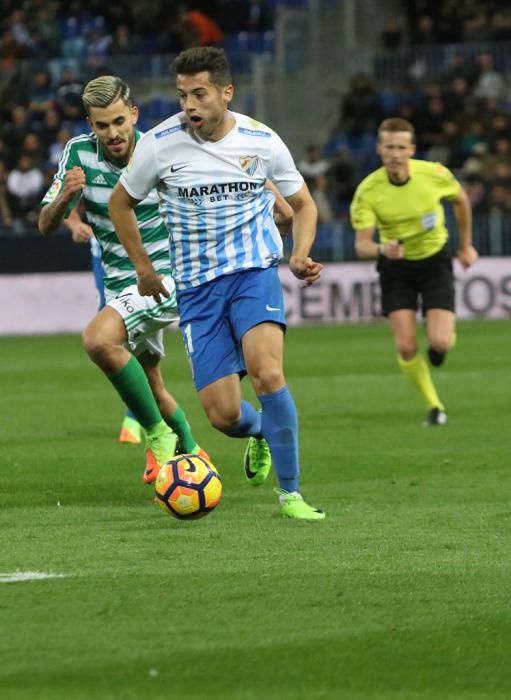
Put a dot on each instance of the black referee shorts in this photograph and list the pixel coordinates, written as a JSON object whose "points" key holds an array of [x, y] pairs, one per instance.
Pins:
{"points": [[406, 284]]}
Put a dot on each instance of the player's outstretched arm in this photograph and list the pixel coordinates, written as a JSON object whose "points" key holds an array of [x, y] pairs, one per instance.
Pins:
{"points": [[122, 213], [304, 232], [52, 214], [467, 254]]}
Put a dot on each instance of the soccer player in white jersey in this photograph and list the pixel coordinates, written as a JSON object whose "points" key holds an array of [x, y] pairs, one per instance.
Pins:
{"points": [[210, 165], [125, 339]]}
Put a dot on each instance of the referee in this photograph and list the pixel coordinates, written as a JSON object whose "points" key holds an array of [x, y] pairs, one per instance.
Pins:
{"points": [[402, 200]]}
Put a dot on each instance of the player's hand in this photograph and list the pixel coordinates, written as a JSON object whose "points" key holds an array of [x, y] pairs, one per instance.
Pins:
{"points": [[151, 285], [74, 182], [467, 256], [305, 269], [81, 232], [284, 223], [393, 250]]}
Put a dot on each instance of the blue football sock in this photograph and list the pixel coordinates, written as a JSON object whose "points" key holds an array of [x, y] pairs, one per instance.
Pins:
{"points": [[280, 429], [249, 424]]}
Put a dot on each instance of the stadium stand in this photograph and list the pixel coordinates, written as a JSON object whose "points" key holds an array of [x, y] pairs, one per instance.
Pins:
{"points": [[458, 96], [48, 51]]}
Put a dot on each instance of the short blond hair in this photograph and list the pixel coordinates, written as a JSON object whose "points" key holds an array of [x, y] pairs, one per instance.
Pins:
{"points": [[394, 124], [104, 91]]}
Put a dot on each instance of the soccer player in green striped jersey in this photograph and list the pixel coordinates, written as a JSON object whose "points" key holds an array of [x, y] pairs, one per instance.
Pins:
{"points": [[403, 201], [125, 339]]}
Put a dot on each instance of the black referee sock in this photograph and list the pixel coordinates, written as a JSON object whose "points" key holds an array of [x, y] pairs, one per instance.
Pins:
{"points": [[436, 358]]}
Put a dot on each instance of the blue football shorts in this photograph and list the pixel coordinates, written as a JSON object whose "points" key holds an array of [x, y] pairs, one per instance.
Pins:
{"points": [[214, 317], [97, 269]]}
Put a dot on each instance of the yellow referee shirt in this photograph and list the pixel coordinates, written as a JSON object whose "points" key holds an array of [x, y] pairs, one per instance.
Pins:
{"points": [[412, 212]]}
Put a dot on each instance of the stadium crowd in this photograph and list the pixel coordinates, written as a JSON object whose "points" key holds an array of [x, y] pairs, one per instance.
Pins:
{"points": [[38, 29], [462, 113], [462, 117], [40, 107], [451, 21]]}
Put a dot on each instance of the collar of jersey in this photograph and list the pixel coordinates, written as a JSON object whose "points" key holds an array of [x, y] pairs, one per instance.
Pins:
{"points": [[411, 168], [101, 150]]}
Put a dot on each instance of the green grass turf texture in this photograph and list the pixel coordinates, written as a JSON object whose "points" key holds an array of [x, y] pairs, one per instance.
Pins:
{"points": [[403, 592]]}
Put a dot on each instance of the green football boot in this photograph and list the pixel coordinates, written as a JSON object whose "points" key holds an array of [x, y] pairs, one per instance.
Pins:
{"points": [[257, 461], [160, 448], [293, 506], [132, 432]]}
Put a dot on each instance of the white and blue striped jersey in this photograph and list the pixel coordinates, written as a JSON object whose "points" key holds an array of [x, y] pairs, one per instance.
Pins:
{"points": [[213, 198]]}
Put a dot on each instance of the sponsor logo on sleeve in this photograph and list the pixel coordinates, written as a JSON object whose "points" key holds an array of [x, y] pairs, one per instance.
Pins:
{"points": [[53, 191], [170, 130], [254, 132]]}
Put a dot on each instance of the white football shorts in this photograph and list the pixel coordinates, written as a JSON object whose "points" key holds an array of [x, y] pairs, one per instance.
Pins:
{"points": [[145, 319]]}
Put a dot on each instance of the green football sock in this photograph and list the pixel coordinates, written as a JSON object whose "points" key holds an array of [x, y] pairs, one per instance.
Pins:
{"points": [[417, 372], [132, 385], [159, 430], [177, 421]]}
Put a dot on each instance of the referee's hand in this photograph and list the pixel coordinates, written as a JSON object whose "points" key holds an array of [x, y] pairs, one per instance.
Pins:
{"points": [[394, 250], [467, 256]]}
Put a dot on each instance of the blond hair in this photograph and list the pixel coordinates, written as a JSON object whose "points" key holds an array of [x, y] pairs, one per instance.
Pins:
{"points": [[394, 124], [104, 91]]}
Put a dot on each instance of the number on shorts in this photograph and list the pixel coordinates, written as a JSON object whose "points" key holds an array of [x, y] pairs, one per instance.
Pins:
{"points": [[188, 338]]}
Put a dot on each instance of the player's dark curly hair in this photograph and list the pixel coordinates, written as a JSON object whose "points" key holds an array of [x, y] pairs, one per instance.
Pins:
{"points": [[204, 58]]}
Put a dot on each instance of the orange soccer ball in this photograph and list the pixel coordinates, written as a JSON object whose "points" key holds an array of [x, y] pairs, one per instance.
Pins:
{"points": [[188, 487]]}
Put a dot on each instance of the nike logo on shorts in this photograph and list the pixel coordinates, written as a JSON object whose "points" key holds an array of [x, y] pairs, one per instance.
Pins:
{"points": [[175, 168], [272, 308]]}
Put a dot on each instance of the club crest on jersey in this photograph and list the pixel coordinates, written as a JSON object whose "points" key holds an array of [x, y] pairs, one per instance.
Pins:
{"points": [[249, 164]]}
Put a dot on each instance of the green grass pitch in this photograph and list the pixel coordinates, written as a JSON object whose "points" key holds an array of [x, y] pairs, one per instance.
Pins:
{"points": [[402, 593]]}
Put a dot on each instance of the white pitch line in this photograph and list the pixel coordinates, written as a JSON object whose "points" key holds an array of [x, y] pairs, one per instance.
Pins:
{"points": [[15, 576]]}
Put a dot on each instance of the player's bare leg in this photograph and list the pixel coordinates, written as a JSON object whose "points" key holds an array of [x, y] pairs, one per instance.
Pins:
{"points": [[263, 350], [221, 401], [103, 341], [227, 412]]}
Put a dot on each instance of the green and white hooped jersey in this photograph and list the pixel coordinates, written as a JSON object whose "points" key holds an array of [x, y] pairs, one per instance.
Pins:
{"points": [[101, 176]]}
